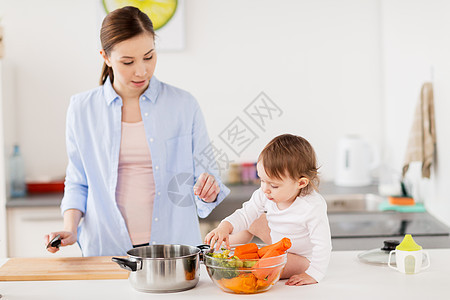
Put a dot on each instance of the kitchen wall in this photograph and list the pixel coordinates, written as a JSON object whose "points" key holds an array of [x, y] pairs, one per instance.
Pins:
{"points": [[2, 180], [317, 60], [415, 48], [51, 53], [333, 67]]}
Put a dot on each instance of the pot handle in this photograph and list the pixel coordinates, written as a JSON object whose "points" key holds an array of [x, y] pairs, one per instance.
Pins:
{"points": [[203, 248], [125, 263]]}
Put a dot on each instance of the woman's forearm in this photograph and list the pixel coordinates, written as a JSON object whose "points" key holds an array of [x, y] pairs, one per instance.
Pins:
{"points": [[72, 218]]}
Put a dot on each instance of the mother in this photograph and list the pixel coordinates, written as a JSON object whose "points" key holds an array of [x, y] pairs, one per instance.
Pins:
{"points": [[133, 145]]}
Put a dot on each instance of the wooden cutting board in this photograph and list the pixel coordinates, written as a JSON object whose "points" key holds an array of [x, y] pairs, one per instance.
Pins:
{"points": [[61, 268]]}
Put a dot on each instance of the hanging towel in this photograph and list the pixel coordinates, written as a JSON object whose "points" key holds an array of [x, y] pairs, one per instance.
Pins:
{"points": [[422, 137]]}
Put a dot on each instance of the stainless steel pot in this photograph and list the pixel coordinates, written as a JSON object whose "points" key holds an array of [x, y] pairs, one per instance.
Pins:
{"points": [[163, 268]]}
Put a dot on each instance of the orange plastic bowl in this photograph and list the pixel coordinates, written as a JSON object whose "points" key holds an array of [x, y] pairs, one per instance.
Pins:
{"points": [[245, 276]]}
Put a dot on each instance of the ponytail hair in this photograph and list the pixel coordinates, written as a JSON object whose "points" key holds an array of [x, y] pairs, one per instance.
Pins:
{"points": [[120, 25], [106, 72]]}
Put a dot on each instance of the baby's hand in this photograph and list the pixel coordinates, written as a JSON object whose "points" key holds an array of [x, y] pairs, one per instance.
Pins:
{"points": [[300, 279], [219, 235]]}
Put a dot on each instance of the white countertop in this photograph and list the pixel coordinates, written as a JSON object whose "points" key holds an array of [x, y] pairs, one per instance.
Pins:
{"points": [[347, 278]]}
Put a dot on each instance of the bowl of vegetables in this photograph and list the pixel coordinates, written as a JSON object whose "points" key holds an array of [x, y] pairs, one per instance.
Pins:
{"points": [[246, 269]]}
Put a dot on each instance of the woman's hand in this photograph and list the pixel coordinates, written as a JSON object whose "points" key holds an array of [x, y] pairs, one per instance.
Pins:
{"points": [[300, 279], [219, 235], [67, 238], [206, 187]]}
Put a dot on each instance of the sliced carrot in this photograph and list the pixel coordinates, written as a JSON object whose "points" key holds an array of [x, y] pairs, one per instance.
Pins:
{"points": [[260, 284], [262, 267], [283, 245], [246, 249], [244, 283]]}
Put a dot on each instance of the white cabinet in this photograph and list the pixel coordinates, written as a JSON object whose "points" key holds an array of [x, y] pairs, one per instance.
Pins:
{"points": [[27, 227]]}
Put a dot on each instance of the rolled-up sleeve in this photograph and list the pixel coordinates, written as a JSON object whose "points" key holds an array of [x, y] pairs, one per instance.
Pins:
{"points": [[205, 208], [76, 189]]}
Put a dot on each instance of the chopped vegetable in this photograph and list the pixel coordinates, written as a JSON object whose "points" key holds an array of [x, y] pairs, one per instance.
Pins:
{"points": [[248, 256], [249, 263], [283, 245], [244, 271], [269, 259], [245, 283], [248, 283], [226, 267], [250, 248], [223, 254]]}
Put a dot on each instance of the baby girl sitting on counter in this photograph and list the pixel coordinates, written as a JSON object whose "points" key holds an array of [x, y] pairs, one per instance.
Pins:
{"points": [[294, 209]]}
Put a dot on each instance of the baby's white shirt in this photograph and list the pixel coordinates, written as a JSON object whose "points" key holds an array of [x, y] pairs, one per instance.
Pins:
{"points": [[304, 222]]}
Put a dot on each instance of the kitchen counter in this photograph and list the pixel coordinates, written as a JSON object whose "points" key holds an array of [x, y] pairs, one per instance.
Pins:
{"points": [[325, 188], [367, 225], [239, 194], [36, 200], [347, 278]]}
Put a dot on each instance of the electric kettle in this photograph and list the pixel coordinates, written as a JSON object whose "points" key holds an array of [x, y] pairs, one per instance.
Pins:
{"points": [[356, 158]]}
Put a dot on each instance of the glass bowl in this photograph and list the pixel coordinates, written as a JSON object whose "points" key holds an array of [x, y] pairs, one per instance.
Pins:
{"points": [[245, 276]]}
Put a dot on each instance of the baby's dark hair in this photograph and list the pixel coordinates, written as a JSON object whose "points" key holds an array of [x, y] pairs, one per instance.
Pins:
{"points": [[293, 156]]}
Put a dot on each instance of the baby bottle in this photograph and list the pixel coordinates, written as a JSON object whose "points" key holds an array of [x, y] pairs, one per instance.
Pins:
{"points": [[409, 256]]}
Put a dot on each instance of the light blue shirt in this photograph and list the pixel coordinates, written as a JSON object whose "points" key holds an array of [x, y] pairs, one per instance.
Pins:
{"points": [[177, 137]]}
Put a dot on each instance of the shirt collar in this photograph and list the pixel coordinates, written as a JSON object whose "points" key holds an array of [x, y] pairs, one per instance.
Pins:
{"points": [[109, 92], [151, 93]]}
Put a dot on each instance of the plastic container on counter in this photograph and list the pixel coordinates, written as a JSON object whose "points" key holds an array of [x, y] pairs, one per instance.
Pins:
{"points": [[17, 174], [248, 173]]}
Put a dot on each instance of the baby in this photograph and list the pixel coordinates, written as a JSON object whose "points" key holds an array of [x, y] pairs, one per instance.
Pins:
{"points": [[294, 209]]}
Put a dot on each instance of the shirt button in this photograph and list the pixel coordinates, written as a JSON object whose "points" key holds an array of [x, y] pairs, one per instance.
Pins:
{"points": [[156, 219], [146, 114], [159, 193], [154, 243], [156, 167], [151, 140]]}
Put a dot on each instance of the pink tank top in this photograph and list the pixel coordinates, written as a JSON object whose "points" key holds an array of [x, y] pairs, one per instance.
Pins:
{"points": [[135, 190]]}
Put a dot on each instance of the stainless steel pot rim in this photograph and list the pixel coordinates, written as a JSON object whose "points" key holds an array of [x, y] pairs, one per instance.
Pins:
{"points": [[137, 257], [160, 258]]}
